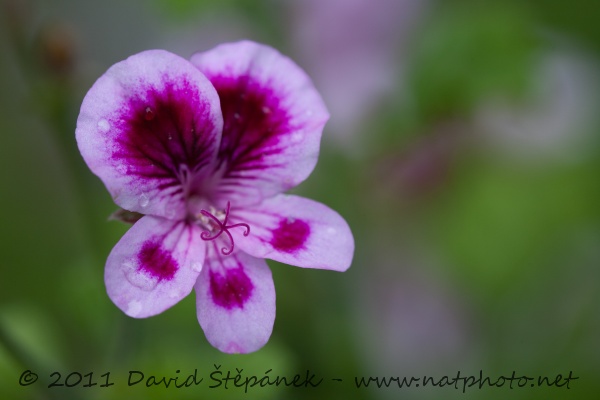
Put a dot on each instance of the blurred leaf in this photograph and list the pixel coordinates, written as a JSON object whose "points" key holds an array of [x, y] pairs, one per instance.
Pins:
{"points": [[185, 8], [262, 14], [500, 224], [41, 231], [32, 337], [579, 19], [469, 51]]}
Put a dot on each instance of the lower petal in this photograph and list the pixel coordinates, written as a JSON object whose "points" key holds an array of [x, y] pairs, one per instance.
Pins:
{"points": [[235, 299], [296, 231], [154, 266]]}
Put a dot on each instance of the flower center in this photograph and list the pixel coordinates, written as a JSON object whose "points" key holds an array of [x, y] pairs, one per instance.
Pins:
{"points": [[216, 227]]}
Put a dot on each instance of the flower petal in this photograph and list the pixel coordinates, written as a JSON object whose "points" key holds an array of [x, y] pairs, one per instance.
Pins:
{"points": [[154, 265], [273, 120], [296, 231], [235, 299], [149, 127]]}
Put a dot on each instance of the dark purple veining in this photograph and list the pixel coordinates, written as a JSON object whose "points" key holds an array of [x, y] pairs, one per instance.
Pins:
{"points": [[254, 122], [156, 261], [290, 235], [232, 289], [165, 134]]}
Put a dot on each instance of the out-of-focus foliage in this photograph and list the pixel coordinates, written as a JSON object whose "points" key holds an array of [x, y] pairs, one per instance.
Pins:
{"points": [[469, 51], [470, 182]]}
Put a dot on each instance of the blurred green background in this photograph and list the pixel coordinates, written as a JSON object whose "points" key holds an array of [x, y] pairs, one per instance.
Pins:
{"points": [[463, 150]]}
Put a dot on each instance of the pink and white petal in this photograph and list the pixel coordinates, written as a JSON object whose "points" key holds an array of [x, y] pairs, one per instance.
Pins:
{"points": [[149, 127], [297, 231], [273, 119], [154, 266], [235, 299]]}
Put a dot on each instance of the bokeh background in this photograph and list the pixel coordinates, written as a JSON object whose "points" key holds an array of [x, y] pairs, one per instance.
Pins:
{"points": [[463, 150]]}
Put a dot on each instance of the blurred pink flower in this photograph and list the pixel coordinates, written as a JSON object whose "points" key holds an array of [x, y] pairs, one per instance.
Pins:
{"points": [[353, 50], [558, 118], [410, 318]]}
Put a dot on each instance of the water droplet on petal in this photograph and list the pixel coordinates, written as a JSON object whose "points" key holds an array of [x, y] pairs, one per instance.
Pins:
{"points": [[266, 110], [297, 136], [133, 308], [122, 169], [103, 126], [138, 278], [144, 200], [236, 116], [149, 114], [170, 137], [196, 266]]}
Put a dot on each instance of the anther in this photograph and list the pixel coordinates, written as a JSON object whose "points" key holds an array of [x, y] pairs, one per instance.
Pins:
{"points": [[223, 227]]}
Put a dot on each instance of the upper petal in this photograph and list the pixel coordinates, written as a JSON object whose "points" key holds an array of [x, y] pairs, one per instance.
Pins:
{"points": [[296, 231], [149, 127], [273, 119], [154, 265], [235, 299]]}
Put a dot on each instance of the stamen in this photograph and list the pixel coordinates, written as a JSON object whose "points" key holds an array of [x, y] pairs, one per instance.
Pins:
{"points": [[223, 227]]}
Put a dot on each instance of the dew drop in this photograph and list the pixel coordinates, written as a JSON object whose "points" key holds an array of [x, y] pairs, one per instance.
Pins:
{"points": [[149, 114], [144, 200], [236, 116], [134, 308], [297, 137], [196, 266], [122, 169], [170, 137], [103, 125], [266, 110], [138, 278]]}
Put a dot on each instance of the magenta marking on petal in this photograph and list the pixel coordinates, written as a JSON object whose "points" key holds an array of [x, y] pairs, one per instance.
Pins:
{"points": [[253, 120], [231, 290], [290, 235], [156, 261], [165, 134]]}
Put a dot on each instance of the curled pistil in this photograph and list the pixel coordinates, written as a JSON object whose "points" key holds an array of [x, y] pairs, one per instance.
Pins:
{"points": [[222, 227]]}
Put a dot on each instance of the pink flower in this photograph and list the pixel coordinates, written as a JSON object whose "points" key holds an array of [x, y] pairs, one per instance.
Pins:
{"points": [[204, 149]]}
